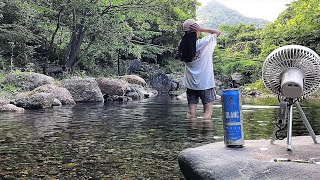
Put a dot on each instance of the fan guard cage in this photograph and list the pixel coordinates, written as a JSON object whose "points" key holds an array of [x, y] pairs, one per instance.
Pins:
{"points": [[292, 56]]}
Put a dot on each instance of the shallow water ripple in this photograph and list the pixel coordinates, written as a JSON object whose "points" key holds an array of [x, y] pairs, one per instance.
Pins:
{"points": [[135, 140]]}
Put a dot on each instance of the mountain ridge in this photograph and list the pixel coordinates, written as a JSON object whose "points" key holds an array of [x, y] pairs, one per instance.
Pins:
{"points": [[214, 14]]}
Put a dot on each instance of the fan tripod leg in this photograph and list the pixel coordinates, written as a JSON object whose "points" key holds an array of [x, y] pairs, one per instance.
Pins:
{"points": [[306, 123], [273, 138]]}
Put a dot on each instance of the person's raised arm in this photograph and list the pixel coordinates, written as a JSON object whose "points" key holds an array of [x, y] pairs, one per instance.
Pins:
{"points": [[211, 31], [195, 27]]}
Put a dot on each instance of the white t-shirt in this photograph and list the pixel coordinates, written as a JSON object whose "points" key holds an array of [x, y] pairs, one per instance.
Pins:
{"points": [[199, 73]]}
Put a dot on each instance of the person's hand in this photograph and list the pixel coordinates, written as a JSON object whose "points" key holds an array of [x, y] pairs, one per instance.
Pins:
{"points": [[194, 27]]}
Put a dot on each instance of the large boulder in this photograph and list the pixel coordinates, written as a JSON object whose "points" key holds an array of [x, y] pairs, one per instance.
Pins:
{"points": [[143, 69], [136, 66], [83, 90], [61, 93], [177, 81], [27, 80], [135, 79], [258, 159], [111, 87], [33, 100], [163, 83]]}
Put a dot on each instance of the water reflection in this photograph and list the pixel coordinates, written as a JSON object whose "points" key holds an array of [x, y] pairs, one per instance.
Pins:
{"points": [[134, 140], [200, 130], [258, 123], [49, 125]]}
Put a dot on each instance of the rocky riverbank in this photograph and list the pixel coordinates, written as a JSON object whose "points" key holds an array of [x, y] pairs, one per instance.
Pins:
{"points": [[38, 91]]}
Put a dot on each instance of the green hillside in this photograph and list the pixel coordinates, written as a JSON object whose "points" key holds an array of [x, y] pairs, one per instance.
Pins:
{"points": [[215, 14], [243, 48]]}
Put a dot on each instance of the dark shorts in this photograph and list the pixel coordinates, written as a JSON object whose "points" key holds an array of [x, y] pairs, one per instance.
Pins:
{"points": [[206, 96]]}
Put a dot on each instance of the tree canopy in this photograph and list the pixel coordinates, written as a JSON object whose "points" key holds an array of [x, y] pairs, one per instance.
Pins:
{"points": [[91, 35]]}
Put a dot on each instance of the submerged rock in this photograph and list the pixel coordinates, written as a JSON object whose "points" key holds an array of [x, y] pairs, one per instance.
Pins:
{"points": [[10, 107]]}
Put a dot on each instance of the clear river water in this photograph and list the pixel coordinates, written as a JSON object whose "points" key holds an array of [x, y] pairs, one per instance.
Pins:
{"points": [[133, 140]]}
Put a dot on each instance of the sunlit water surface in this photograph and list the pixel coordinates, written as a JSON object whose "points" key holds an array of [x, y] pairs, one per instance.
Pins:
{"points": [[134, 140]]}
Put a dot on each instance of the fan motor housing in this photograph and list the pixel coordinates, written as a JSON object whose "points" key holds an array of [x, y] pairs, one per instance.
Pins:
{"points": [[292, 83], [292, 71]]}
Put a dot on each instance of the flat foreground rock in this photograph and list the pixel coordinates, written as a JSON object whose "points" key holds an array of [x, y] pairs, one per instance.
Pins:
{"points": [[258, 159]]}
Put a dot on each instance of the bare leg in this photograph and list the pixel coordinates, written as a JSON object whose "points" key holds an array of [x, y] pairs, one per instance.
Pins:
{"points": [[192, 110], [207, 111]]}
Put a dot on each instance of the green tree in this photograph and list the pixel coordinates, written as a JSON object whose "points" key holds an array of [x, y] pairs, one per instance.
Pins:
{"points": [[298, 24], [18, 42], [88, 33]]}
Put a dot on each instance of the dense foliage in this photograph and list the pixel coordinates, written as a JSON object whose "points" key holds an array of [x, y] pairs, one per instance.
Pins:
{"points": [[89, 34], [243, 48], [92, 35], [299, 24]]}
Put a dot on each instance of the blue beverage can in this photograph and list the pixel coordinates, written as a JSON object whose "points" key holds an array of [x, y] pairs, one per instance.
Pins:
{"points": [[232, 118]]}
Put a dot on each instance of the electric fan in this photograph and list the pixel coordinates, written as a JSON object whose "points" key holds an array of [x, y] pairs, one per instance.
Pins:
{"points": [[292, 73]]}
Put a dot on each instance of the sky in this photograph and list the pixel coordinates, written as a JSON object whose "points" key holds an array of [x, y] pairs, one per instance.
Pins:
{"points": [[264, 9]]}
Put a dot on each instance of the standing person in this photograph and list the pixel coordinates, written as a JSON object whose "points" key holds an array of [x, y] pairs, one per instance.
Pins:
{"points": [[199, 76]]}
